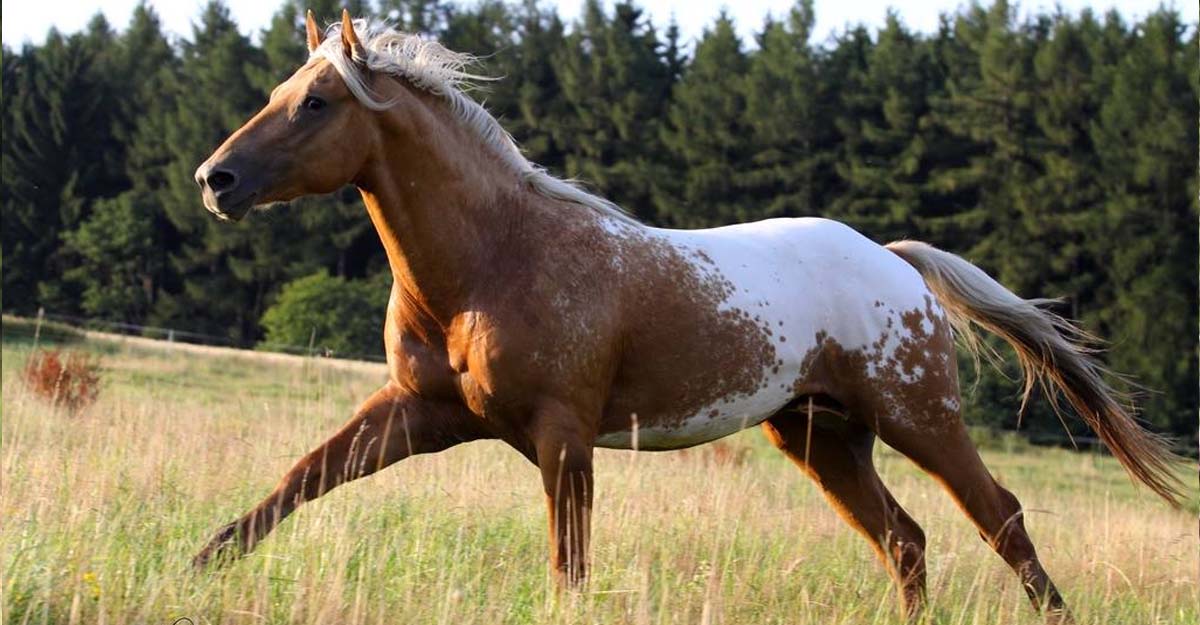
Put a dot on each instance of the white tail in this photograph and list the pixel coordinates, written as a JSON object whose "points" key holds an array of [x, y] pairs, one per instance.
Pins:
{"points": [[1052, 351]]}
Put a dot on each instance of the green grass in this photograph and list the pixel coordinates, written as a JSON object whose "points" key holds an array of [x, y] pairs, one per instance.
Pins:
{"points": [[102, 512]]}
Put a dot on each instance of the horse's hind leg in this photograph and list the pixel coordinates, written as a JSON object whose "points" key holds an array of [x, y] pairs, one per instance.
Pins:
{"points": [[837, 457], [939, 444], [390, 426]]}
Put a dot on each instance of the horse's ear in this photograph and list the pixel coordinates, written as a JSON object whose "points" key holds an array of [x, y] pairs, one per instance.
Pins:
{"points": [[315, 36], [350, 43]]}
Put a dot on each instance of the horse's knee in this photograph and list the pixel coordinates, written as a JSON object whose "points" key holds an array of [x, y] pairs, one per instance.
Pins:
{"points": [[1012, 515], [1009, 537], [1008, 501]]}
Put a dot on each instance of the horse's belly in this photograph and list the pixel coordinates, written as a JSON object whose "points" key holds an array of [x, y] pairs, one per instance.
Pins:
{"points": [[725, 417]]}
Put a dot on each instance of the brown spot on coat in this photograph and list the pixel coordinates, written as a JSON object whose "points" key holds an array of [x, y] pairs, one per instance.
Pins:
{"points": [[680, 352], [914, 385]]}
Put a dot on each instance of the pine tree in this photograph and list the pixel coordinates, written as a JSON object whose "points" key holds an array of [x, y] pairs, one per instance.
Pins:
{"points": [[1067, 191], [883, 160], [118, 255], [616, 86], [108, 150], [425, 17], [538, 103], [988, 109], [17, 280], [57, 132], [673, 56], [283, 47], [481, 30], [791, 129], [225, 272], [1146, 140], [705, 134], [985, 144], [150, 64]]}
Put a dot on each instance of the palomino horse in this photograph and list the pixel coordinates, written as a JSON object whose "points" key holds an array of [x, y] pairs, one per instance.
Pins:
{"points": [[526, 310]]}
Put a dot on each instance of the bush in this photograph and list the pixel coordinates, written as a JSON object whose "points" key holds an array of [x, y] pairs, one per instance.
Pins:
{"points": [[342, 317], [115, 262], [67, 379], [993, 439]]}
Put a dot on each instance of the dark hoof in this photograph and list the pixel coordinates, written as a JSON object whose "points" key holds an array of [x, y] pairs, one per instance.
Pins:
{"points": [[221, 549]]}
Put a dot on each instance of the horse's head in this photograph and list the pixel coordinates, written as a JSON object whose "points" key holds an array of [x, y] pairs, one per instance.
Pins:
{"points": [[363, 111], [313, 136]]}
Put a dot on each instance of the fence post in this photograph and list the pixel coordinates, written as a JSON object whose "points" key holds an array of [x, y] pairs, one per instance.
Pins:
{"points": [[170, 335], [37, 329]]}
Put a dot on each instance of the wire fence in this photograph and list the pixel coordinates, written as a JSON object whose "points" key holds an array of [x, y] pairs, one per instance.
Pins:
{"points": [[131, 361], [177, 335]]}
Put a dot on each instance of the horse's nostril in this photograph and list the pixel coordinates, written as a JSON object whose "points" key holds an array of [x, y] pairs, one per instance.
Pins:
{"points": [[221, 180]]}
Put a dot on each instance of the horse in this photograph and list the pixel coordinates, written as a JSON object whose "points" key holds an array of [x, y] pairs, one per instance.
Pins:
{"points": [[528, 310]]}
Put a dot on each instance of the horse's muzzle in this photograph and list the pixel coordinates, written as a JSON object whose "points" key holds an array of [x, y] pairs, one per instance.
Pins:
{"points": [[224, 192]]}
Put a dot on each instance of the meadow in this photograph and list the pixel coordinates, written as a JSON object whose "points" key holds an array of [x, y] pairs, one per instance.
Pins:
{"points": [[102, 511]]}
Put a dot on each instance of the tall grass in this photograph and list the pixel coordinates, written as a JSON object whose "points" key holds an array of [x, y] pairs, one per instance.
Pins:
{"points": [[102, 512]]}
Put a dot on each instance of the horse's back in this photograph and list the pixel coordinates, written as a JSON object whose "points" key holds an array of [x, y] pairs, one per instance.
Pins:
{"points": [[814, 275]]}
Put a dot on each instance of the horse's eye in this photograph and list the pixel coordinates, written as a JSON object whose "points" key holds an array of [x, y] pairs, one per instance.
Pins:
{"points": [[313, 103]]}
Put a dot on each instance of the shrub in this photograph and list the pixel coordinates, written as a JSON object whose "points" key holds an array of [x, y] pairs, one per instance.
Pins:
{"points": [[67, 379], [117, 255], [345, 317], [994, 439]]}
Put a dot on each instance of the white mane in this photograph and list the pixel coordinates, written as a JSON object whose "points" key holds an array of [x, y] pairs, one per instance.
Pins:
{"points": [[428, 65]]}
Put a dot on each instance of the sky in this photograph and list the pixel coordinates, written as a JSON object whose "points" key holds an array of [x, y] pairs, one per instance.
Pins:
{"points": [[24, 20]]}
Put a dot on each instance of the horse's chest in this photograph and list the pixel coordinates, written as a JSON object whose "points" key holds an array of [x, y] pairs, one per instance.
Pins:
{"points": [[420, 366]]}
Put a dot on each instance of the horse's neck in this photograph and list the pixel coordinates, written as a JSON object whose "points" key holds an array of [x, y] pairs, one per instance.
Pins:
{"points": [[441, 209]]}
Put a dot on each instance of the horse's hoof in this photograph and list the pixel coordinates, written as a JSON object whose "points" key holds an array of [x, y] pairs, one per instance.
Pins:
{"points": [[221, 548]]}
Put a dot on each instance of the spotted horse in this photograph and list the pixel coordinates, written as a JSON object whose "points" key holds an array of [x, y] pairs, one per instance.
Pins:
{"points": [[527, 310]]}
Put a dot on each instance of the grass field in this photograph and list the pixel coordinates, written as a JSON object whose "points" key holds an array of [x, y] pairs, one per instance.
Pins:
{"points": [[101, 513]]}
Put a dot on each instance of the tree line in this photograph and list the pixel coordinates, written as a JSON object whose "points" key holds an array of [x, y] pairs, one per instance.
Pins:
{"points": [[1058, 151]]}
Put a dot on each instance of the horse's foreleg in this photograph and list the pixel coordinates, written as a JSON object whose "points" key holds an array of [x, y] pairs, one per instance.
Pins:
{"points": [[390, 426], [564, 455]]}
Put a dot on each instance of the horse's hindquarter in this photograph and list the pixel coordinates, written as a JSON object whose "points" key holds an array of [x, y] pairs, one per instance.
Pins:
{"points": [[728, 323]]}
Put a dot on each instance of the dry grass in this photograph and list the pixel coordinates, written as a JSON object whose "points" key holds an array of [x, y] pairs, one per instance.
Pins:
{"points": [[102, 514]]}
